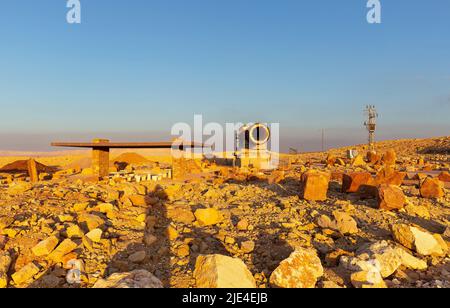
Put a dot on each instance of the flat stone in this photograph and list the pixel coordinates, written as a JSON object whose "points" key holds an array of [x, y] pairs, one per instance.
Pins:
{"points": [[95, 235], [421, 241], [432, 188], [139, 279], [352, 182], [45, 247], [137, 257], [390, 197], [25, 274], [208, 217], [300, 270], [64, 248]]}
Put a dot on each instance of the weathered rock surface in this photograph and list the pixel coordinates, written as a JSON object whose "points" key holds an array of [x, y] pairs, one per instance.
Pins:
{"points": [[139, 279], [218, 271], [419, 240], [300, 270], [390, 197], [315, 185], [432, 188], [353, 181], [208, 217]]}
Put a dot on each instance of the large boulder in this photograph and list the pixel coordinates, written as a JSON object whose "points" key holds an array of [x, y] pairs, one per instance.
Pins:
{"points": [[432, 188], [315, 185], [218, 271], [390, 176], [419, 240], [353, 181], [139, 279], [390, 197], [300, 270]]}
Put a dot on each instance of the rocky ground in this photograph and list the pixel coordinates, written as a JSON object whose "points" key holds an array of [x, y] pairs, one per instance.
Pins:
{"points": [[321, 220]]}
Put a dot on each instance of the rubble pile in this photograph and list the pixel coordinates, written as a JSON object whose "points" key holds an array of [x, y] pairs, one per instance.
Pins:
{"points": [[327, 222]]}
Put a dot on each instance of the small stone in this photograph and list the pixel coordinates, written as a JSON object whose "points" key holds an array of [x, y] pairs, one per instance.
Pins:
{"points": [[95, 235], [367, 279], [172, 233], [45, 247], [247, 246], [183, 251], [25, 274], [64, 248], [342, 223], [141, 218], [137, 257], [138, 200], [74, 231], [207, 217], [106, 207], [149, 239], [418, 210], [389, 158], [90, 221], [444, 176], [242, 225], [358, 161]]}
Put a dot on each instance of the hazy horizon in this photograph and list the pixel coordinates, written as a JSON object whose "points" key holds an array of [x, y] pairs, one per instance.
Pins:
{"points": [[306, 140]]}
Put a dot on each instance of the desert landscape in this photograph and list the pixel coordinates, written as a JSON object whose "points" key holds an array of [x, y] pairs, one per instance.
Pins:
{"points": [[324, 220]]}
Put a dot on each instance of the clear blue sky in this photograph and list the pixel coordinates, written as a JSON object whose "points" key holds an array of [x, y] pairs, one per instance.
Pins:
{"points": [[142, 65]]}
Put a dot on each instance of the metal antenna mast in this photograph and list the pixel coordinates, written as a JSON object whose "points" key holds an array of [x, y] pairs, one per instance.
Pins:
{"points": [[371, 125]]}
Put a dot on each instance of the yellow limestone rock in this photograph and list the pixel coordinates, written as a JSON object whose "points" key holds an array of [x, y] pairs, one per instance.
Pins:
{"points": [[45, 247], [172, 233], [90, 221], [74, 231], [368, 280], [300, 270], [218, 271], [207, 217], [95, 235], [422, 242], [25, 274], [64, 248]]}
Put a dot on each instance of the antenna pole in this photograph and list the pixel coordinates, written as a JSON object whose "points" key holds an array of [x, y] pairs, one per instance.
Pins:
{"points": [[371, 125]]}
